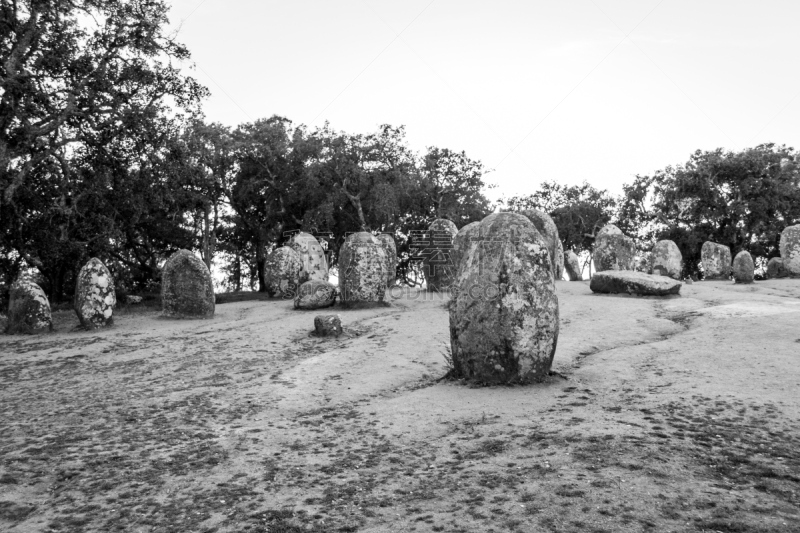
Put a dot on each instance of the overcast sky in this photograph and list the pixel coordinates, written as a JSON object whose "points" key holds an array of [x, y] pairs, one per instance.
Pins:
{"points": [[573, 90]]}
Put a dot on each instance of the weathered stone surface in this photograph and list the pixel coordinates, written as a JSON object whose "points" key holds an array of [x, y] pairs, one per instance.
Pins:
{"points": [[632, 282], [95, 297], [328, 325], [644, 263], [716, 260], [467, 236], [312, 255], [613, 250], [504, 308], [390, 249], [315, 294], [28, 309], [743, 268], [776, 269], [440, 270], [283, 271], [609, 229], [548, 230], [790, 250], [667, 259], [186, 287], [559, 274], [573, 266], [362, 271]]}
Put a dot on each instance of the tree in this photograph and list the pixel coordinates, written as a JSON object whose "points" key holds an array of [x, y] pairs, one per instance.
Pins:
{"points": [[89, 99], [579, 211], [740, 199]]}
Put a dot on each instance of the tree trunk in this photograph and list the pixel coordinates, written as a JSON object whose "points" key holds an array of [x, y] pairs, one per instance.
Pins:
{"points": [[261, 260], [237, 274], [206, 244]]}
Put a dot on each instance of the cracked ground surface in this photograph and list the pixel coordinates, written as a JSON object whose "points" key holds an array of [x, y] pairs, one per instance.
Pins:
{"points": [[666, 414]]}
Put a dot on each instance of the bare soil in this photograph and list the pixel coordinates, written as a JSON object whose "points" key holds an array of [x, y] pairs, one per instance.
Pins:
{"points": [[662, 414]]}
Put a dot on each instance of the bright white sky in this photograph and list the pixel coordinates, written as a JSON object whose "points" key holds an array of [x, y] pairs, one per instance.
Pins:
{"points": [[566, 90]]}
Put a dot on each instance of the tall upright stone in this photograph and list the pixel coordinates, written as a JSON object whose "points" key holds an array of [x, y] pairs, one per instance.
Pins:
{"points": [[312, 255], [467, 236], [716, 260], [613, 250], [504, 308], [440, 271], [559, 271], [28, 309], [362, 271], [573, 266], [790, 250], [549, 231], [743, 268], [283, 273], [667, 259], [95, 297], [776, 269], [186, 287], [390, 249]]}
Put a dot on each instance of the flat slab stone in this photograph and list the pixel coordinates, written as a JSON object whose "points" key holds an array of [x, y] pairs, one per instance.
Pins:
{"points": [[632, 282]]}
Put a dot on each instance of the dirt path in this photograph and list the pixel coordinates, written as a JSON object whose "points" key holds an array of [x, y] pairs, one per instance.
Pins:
{"points": [[677, 414]]}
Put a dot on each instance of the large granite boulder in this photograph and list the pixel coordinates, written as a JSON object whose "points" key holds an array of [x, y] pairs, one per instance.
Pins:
{"points": [[315, 294], [743, 268], [467, 236], [312, 256], [440, 270], [94, 295], [632, 282], [283, 272], [362, 271], [390, 248], [547, 229], [573, 266], [790, 250], [328, 325], [28, 309], [716, 260], [776, 269], [186, 287], [613, 250], [504, 308], [559, 273], [667, 259]]}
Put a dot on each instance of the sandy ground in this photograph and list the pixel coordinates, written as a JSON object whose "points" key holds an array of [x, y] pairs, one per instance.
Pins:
{"points": [[663, 414]]}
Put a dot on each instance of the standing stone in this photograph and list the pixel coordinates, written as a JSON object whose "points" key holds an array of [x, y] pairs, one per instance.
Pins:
{"points": [[504, 308], [716, 259], [466, 237], [743, 268], [547, 229], [572, 265], [633, 282], [390, 249], [327, 325], [94, 295], [186, 287], [312, 255], [667, 259], [28, 309], [362, 271], [315, 294], [790, 250], [440, 271], [283, 272], [776, 269], [613, 250], [559, 274]]}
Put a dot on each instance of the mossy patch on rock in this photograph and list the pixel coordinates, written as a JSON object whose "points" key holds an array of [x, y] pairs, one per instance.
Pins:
{"points": [[504, 308], [315, 294], [362, 271], [390, 249], [312, 255], [186, 287], [613, 250], [667, 259]]}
